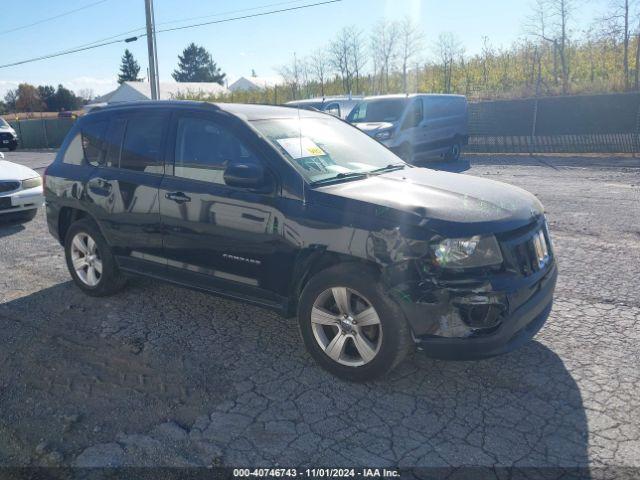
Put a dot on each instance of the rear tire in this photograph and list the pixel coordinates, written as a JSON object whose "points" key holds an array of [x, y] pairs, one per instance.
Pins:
{"points": [[90, 260], [364, 344]]}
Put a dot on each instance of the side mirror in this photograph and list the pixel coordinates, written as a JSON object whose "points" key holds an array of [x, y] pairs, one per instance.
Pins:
{"points": [[245, 174], [1, 156]]}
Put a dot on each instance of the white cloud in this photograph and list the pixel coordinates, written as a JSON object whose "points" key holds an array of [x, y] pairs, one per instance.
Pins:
{"points": [[6, 85]]}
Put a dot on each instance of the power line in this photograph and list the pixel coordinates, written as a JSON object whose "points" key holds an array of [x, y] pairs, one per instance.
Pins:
{"points": [[142, 29], [268, 5], [44, 20], [103, 44], [282, 10]]}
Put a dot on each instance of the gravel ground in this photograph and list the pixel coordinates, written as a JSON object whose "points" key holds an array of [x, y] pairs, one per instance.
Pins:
{"points": [[159, 375]]}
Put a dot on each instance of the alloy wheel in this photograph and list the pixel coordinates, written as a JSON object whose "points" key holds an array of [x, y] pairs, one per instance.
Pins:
{"points": [[346, 326], [86, 260]]}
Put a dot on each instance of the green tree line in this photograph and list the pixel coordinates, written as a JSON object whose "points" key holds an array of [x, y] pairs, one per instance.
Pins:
{"points": [[552, 57]]}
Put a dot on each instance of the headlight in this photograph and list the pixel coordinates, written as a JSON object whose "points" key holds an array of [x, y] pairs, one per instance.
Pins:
{"points": [[31, 182], [477, 251], [384, 135]]}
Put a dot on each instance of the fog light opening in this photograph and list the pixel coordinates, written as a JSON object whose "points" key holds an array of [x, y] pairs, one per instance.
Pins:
{"points": [[480, 316]]}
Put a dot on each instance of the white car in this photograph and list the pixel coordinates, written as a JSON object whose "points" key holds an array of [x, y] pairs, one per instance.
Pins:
{"points": [[8, 136], [20, 190]]}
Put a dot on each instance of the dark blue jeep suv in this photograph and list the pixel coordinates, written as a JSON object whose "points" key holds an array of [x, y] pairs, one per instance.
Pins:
{"points": [[300, 212]]}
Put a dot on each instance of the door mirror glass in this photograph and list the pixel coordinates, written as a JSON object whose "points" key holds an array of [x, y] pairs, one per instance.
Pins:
{"points": [[245, 174]]}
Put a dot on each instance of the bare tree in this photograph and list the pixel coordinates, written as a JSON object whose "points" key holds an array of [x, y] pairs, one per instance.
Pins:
{"points": [[550, 23], [486, 59], [358, 57], [86, 94], [319, 65], [411, 38], [448, 49], [385, 41], [291, 74], [341, 58], [617, 24]]}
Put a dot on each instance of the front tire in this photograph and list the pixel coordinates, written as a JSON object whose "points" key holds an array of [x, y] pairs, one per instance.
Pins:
{"points": [[349, 324], [90, 260], [453, 155]]}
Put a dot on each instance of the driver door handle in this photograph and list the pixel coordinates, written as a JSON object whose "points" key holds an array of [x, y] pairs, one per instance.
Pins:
{"points": [[178, 197]]}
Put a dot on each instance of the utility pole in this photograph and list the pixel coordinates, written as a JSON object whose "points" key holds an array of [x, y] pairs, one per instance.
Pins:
{"points": [[153, 52]]}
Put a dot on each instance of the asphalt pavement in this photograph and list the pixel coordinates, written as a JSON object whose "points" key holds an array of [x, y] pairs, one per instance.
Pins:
{"points": [[160, 375]]}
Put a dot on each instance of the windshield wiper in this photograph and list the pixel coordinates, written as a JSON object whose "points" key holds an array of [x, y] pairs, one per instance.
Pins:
{"points": [[341, 176], [388, 168]]}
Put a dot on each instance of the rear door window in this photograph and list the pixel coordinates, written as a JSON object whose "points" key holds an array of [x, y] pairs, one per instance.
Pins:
{"points": [[143, 142]]}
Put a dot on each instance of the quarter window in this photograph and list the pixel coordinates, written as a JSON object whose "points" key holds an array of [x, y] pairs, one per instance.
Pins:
{"points": [[204, 149], [113, 143], [93, 143], [142, 147]]}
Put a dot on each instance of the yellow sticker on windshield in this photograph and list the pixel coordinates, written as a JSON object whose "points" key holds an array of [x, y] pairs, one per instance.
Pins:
{"points": [[300, 147]]}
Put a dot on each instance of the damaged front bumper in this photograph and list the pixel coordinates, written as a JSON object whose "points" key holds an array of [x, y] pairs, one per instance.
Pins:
{"points": [[471, 319]]}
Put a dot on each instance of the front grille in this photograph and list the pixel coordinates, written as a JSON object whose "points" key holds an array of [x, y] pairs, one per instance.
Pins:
{"points": [[519, 249], [9, 186], [6, 136]]}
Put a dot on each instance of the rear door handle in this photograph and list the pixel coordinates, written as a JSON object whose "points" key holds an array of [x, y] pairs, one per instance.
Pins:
{"points": [[178, 197]]}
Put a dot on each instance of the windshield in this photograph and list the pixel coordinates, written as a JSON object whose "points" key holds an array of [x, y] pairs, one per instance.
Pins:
{"points": [[3, 123], [374, 111], [325, 148]]}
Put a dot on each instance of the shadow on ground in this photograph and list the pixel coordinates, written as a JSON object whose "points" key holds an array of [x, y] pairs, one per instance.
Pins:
{"points": [[83, 372], [459, 166]]}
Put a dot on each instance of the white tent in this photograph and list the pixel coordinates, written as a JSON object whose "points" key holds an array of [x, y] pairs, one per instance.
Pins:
{"points": [[245, 84], [140, 91]]}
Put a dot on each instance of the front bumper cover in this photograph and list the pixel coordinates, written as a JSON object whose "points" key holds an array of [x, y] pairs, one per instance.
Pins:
{"points": [[518, 320]]}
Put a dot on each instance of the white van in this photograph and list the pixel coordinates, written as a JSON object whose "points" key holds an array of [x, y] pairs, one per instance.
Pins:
{"points": [[417, 125], [339, 106]]}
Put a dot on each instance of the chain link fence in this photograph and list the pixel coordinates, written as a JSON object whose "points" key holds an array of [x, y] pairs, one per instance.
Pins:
{"points": [[606, 123], [41, 132], [574, 124]]}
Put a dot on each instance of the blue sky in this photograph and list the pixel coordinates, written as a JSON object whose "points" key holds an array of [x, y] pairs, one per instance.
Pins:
{"points": [[262, 43]]}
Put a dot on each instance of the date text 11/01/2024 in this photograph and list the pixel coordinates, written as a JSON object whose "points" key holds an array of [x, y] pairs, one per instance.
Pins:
{"points": [[316, 472]]}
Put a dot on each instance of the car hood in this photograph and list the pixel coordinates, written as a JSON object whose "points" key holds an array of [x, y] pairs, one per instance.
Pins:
{"points": [[442, 200], [7, 129], [372, 128], [13, 171]]}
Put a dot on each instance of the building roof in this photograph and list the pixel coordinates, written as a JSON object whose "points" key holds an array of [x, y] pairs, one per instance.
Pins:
{"points": [[244, 84]]}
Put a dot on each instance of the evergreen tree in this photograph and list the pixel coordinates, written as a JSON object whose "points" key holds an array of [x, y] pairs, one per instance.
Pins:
{"points": [[129, 68], [196, 65]]}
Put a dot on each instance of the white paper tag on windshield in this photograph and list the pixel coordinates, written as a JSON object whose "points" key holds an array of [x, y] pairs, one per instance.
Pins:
{"points": [[300, 147]]}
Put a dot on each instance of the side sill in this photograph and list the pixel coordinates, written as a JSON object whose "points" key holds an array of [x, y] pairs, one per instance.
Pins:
{"points": [[280, 308]]}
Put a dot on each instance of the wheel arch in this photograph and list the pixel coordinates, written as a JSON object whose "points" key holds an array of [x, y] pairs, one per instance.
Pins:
{"points": [[67, 217], [317, 262]]}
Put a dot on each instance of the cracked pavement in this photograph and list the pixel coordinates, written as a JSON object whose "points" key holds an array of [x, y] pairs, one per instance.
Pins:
{"points": [[160, 375]]}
